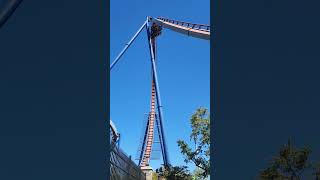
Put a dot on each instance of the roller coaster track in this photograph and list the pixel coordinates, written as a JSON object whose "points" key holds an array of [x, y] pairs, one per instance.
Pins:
{"points": [[195, 30], [154, 27], [150, 130]]}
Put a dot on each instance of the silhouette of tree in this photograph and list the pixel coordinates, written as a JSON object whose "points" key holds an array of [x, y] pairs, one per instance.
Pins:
{"points": [[289, 164], [316, 172]]}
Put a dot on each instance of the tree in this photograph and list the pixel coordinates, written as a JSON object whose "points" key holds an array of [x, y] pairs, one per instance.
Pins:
{"points": [[154, 176], [197, 174], [316, 172], [289, 164], [200, 136], [174, 173]]}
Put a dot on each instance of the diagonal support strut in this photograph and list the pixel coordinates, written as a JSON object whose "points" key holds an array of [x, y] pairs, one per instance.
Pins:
{"points": [[127, 45]]}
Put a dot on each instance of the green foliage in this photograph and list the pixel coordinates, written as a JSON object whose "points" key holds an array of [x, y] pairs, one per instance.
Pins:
{"points": [[197, 174], [200, 136], [175, 173], [289, 164], [154, 176]]}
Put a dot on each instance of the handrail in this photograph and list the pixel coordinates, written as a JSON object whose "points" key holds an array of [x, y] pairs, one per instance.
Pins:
{"points": [[190, 29], [187, 24]]}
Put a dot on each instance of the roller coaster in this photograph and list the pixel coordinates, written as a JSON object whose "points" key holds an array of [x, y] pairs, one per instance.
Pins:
{"points": [[155, 120], [155, 117]]}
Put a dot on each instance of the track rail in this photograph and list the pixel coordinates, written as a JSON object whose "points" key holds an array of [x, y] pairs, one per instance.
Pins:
{"points": [[201, 31]]}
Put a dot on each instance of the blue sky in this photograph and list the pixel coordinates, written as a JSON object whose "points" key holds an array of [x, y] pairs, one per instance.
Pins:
{"points": [[183, 71]]}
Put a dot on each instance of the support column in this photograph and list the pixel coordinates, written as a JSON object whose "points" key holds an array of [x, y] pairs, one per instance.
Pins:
{"points": [[158, 98], [148, 171]]}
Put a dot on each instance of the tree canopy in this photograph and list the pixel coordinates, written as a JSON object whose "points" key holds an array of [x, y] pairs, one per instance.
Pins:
{"points": [[175, 173], [290, 163], [200, 137]]}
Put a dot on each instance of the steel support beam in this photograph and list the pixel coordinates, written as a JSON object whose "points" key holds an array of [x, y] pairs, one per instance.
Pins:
{"points": [[144, 141], [127, 46], [159, 105]]}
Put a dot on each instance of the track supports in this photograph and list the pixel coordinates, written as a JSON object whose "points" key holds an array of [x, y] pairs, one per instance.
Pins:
{"points": [[152, 32], [127, 45], [159, 105]]}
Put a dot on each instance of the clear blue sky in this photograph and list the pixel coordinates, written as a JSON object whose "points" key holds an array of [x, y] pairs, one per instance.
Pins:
{"points": [[183, 70]]}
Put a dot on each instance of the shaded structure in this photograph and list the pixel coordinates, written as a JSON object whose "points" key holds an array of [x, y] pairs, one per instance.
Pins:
{"points": [[122, 167]]}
